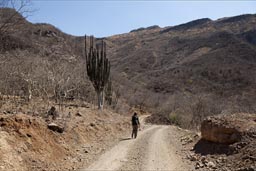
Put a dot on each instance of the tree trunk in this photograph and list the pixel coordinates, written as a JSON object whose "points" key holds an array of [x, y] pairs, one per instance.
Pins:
{"points": [[29, 94], [100, 100]]}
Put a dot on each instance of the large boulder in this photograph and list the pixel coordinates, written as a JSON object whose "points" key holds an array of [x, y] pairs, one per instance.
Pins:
{"points": [[228, 129]]}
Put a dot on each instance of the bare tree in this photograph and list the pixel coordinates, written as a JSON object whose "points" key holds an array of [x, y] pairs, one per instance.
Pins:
{"points": [[10, 11]]}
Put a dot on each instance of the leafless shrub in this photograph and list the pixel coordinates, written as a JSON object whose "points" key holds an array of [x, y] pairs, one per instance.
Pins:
{"points": [[11, 18], [187, 110]]}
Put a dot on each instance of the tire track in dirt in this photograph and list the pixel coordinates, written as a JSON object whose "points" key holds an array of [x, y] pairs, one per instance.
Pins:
{"points": [[160, 154], [136, 156], [154, 149], [114, 158]]}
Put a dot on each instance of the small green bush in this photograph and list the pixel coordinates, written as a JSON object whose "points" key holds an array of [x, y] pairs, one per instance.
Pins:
{"points": [[174, 118]]}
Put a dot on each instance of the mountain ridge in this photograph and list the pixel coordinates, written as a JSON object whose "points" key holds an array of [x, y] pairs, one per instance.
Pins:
{"points": [[201, 57]]}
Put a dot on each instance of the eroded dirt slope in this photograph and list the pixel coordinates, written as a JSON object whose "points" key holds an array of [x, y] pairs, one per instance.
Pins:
{"points": [[27, 144]]}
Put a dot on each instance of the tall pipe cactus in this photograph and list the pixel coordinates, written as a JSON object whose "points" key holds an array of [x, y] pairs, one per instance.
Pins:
{"points": [[98, 67]]}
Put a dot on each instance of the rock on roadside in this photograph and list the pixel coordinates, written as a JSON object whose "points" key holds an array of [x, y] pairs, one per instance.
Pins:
{"points": [[227, 129], [56, 128]]}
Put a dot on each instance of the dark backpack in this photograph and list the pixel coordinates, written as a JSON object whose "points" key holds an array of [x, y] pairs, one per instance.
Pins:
{"points": [[135, 120]]}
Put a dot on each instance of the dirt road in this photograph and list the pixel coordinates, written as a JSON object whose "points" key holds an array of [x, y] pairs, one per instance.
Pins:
{"points": [[156, 148]]}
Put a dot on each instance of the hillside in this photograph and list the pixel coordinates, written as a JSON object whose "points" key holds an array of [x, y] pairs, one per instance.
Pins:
{"points": [[213, 60], [210, 55], [206, 61]]}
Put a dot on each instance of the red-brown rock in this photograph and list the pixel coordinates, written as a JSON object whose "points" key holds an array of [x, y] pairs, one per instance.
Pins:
{"points": [[227, 129]]}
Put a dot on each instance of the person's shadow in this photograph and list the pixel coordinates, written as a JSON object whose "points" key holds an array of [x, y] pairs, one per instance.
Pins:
{"points": [[125, 139]]}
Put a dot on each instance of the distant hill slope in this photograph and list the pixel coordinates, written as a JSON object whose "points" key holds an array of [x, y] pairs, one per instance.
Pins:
{"points": [[216, 58], [201, 56]]}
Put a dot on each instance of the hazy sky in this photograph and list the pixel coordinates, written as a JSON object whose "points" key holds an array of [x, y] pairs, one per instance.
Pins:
{"points": [[105, 18]]}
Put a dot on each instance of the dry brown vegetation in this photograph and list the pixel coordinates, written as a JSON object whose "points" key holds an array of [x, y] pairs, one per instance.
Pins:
{"points": [[182, 73], [187, 72]]}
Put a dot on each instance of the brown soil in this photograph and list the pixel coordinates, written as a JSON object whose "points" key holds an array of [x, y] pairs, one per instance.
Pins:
{"points": [[239, 156], [27, 144], [157, 147]]}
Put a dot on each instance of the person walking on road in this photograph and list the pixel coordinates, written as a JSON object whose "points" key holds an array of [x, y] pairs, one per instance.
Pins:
{"points": [[135, 125]]}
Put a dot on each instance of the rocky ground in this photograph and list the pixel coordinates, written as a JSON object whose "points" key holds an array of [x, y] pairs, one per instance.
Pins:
{"points": [[27, 143], [215, 151]]}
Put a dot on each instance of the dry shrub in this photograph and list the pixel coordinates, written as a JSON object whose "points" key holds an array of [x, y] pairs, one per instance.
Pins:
{"points": [[187, 111]]}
